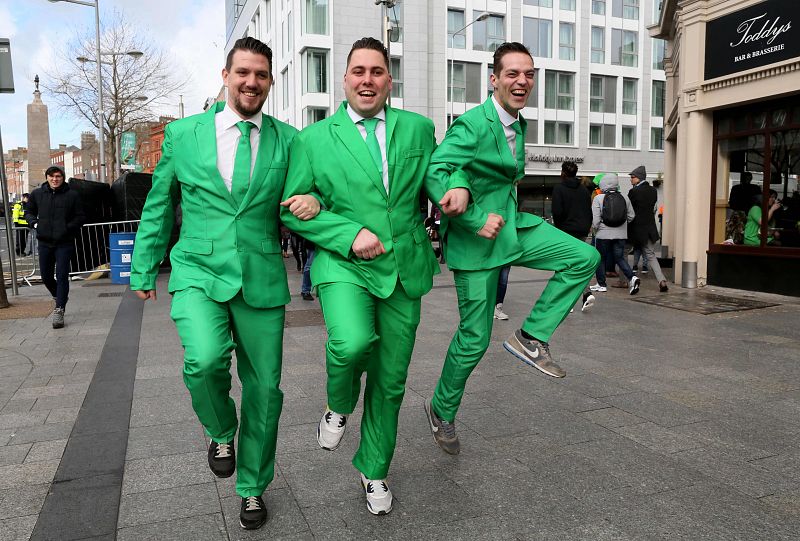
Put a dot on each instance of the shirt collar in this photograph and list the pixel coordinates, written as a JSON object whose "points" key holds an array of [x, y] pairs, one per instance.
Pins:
{"points": [[505, 118], [355, 117], [230, 118]]}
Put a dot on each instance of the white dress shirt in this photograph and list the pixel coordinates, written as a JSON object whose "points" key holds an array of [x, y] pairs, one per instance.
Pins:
{"points": [[228, 139], [380, 133], [507, 120]]}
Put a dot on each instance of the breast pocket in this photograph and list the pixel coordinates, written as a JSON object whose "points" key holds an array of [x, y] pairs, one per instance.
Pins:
{"points": [[413, 153]]}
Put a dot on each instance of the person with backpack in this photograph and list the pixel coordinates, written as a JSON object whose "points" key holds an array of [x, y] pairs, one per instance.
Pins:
{"points": [[611, 212]]}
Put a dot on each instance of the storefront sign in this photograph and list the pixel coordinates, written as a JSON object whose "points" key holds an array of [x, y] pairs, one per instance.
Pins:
{"points": [[756, 36], [553, 158]]}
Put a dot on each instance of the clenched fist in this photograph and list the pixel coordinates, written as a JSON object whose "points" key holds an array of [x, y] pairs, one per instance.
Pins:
{"points": [[494, 223], [367, 246]]}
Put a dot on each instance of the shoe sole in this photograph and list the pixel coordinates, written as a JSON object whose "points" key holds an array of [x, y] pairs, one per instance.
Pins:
{"points": [[322, 445], [255, 527], [501, 318], [427, 407], [524, 359]]}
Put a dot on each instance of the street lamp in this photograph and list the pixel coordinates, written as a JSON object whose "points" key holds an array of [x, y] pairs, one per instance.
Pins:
{"points": [[100, 117], [482, 17]]}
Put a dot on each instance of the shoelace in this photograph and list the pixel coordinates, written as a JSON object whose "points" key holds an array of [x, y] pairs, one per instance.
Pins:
{"points": [[223, 450], [252, 504], [341, 421], [382, 485], [449, 429]]}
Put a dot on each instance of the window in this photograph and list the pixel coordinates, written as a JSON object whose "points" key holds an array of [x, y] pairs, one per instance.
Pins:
{"points": [[566, 41], [659, 46], [567, 5], [657, 107], [559, 90], [624, 48], [316, 17], [315, 114], [599, 7], [557, 133], [629, 96], [628, 136], [602, 135], [316, 71], [656, 138], [532, 134], [598, 45], [466, 78], [396, 70], [285, 89], [602, 94], [455, 22], [395, 15], [626, 9], [537, 35], [540, 3], [489, 34], [489, 87]]}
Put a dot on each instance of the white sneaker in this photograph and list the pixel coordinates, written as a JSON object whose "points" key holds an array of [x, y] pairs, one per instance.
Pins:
{"points": [[379, 497], [331, 429], [498, 312], [634, 285], [598, 288], [588, 302]]}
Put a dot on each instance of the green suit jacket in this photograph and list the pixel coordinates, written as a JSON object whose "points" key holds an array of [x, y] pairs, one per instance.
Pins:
{"points": [[475, 155], [222, 249], [331, 160]]}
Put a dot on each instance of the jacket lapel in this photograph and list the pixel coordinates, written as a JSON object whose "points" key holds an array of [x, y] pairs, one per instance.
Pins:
{"points": [[205, 133], [391, 148], [266, 152], [508, 161], [351, 138]]}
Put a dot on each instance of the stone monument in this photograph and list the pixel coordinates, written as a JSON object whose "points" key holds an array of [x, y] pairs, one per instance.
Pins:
{"points": [[38, 139]]}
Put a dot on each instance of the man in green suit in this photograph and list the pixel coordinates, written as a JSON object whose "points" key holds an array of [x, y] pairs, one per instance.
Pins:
{"points": [[483, 158], [227, 169], [367, 164]]}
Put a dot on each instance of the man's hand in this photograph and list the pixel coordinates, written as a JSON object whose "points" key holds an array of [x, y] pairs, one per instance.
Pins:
{"points": [[455, 201], [146, 294], [304, 207], [367, 246], [494, 223]]}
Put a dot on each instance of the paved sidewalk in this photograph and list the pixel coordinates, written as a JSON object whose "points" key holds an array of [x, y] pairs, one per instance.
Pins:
{"points": [[669, 425]]}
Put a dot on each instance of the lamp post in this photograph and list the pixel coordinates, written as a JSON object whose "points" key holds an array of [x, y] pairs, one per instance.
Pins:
{"points": [[482, 17], [100, 117]]}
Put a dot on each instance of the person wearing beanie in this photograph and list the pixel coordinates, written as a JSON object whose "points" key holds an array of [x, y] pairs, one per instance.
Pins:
{"points": [[642, 230]]}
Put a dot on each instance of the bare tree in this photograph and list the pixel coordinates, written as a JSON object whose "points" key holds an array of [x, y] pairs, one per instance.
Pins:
{"points": [[132, 83]]}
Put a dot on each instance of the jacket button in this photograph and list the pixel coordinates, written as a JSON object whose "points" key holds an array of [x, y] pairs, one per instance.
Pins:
{"points": [[389, 210], [394, 239]]}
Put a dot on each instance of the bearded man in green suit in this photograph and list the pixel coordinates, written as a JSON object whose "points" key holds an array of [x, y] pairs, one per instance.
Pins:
{"points": [[483, 156], [367, 164], [227, 169]]}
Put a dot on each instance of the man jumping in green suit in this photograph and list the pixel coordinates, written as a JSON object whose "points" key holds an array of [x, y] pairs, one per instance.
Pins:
{"points": [[227, 169], [367, 164], [483, 153]]}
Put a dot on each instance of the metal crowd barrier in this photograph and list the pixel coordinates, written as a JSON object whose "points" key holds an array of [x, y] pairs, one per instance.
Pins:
{"points": [[27, 265]]}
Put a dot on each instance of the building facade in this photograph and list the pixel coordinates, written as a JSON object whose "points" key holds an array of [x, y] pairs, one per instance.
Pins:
{"points": [[732, 119], [599, 95]]}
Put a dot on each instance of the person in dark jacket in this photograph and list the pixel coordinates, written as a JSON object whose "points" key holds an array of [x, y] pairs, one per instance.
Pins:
{"points": [[572, 212], [56, 213], [642, 230]]}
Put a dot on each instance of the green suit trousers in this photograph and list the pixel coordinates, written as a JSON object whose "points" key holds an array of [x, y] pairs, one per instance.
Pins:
{"points": [[209, 330], [367, 333], [544, 248]]}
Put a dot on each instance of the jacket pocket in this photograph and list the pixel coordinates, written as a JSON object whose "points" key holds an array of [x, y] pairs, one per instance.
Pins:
{"points": [[413, 153], [279, 165], [270, 246], [196, 246]]}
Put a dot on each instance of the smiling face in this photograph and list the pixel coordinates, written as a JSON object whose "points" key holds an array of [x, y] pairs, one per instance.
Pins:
{"points": [[514, 83], [55, 180], [248, 82], [367, 82]]}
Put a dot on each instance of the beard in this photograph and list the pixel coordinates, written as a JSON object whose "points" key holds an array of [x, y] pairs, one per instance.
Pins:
{"points": [[245, 110]]}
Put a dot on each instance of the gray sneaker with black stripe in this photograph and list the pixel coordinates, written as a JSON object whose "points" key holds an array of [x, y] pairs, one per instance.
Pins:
{"points": [[534, 353]]}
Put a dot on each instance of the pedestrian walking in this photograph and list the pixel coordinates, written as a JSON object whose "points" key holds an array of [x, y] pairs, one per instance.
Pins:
{"points": [[228, 279], [611, 212], [56, 213], [482, 158], [642, 230]]}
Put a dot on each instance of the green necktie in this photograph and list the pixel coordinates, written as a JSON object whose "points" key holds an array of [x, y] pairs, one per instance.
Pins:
{"points": [[241, 163], [517, 127], [372, 142]]}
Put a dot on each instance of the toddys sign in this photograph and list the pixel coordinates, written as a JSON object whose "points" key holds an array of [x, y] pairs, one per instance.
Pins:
{"points": [[756, 36]]}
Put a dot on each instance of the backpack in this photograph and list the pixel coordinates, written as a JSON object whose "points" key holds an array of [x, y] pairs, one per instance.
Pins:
{"points": [[615, 211]]}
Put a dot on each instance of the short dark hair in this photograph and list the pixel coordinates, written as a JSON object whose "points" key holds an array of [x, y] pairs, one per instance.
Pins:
{"points": [[747, 176], [773, 192], [53, 169], [249, 44], [369, 43], [569, 168], [504, 49]]}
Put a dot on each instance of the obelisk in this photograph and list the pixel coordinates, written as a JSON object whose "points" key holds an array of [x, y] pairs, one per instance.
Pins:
{"points": [[38, 139]]}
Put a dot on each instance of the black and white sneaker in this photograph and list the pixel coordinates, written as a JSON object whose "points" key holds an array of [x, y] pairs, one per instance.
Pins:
{"points": [[253, 514], [634, 285], [331, 429], [379, 497], [588, 302], [221, 459]]}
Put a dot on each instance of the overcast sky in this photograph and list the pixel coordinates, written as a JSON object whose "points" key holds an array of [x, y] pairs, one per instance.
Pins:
{"points": [[190, 32]]}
